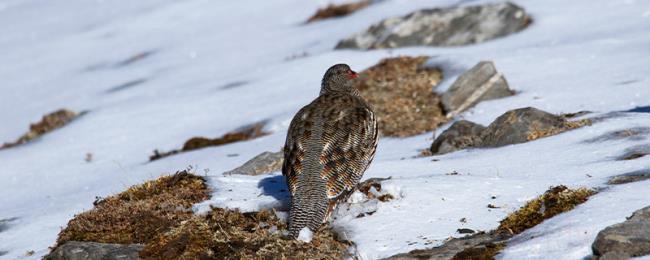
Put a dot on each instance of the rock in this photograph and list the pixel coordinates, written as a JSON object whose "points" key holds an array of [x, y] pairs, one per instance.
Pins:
{"points": [[469, 247], [458, 136], [634, 176], [630, 238], [482, 82], [265, 162], [519, 125], [74, 250], [442, 27], [513, 127]]}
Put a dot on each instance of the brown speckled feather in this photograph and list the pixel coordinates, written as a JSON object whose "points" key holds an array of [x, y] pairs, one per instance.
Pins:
{"points": [[329, 145], [348, 141]]}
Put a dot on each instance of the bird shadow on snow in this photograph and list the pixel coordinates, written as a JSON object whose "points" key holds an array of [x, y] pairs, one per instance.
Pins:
{"points": [[276, 187]]}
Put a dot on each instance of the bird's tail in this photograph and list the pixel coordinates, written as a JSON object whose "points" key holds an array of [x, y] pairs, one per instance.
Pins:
{"points": [[309, 208]]}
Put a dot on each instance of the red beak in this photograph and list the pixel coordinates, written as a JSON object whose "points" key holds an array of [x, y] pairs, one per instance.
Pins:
{"points": [[352, 74]]}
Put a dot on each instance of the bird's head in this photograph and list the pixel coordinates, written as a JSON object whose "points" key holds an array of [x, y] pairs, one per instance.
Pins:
{"points": [[338, 78]]}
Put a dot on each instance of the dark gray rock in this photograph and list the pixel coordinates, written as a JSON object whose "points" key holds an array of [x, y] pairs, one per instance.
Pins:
{"points": [[482, 82], [265, 162], [513, 127], [442, 27], [634, 176], [630, 238], [455, 246], [516, 126], [460, 135], [74, 250]]}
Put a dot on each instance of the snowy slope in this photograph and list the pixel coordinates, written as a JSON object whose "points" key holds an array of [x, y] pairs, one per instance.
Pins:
{"points": [[208, 67]]}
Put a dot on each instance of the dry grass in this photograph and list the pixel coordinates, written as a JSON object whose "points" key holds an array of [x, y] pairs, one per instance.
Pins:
{"points": [[337, 10], [481, 252], [400, 91], [569, 125], [140, 213], [246, 133], [229, 234], [556, 200], [48, 123]]}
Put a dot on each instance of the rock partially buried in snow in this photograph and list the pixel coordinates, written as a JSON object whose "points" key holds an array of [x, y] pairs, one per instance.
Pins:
{"points": [[515, 126], [305, 235], [75, 250], [630, 238], [442, 27], [634, 176], [519, 126], [265, 162], [481, 82], [458, 136]]}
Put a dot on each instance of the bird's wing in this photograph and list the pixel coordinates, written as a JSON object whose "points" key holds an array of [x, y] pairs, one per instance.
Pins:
{"points": [[348, 141]]}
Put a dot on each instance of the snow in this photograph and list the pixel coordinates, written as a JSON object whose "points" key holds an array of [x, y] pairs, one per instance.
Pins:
{"points": [[212, 66], [305, 235]]}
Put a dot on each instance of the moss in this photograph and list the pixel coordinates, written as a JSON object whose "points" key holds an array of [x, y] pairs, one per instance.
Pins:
{"points": [[139, 213], [246, 133], [337, 10], [48, 123], [556, 200], [400, 91], [568, 125], [224, 233]]}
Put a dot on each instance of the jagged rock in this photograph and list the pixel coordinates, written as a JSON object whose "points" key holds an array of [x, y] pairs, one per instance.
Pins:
{"points": [[481, 82], [265, 162], [75, 250], [458, 136], [519, 125], [469, 247], [513, 127], [630, 238], [442, 27], [634, 176]]}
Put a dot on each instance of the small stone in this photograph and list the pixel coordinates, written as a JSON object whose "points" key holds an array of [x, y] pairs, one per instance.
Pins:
{"points": [[460, 135], [265, 162], [465, 231], [481, 82]]}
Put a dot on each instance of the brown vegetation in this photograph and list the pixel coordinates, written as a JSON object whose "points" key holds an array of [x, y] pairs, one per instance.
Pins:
{"points": [[139, 213], [556, 200], [230, 234], [337, 10], [568, 125], [48, 123], [400, 91], [246, 133]]}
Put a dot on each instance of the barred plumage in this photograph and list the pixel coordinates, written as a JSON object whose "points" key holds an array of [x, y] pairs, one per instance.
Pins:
{"points": [[329, 145]]}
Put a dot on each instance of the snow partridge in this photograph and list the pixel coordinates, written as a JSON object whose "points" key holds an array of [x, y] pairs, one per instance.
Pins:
{"points": [[329, 145]]}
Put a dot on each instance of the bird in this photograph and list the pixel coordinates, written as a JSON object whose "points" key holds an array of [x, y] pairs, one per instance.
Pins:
{"points": [[330, 143]]}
